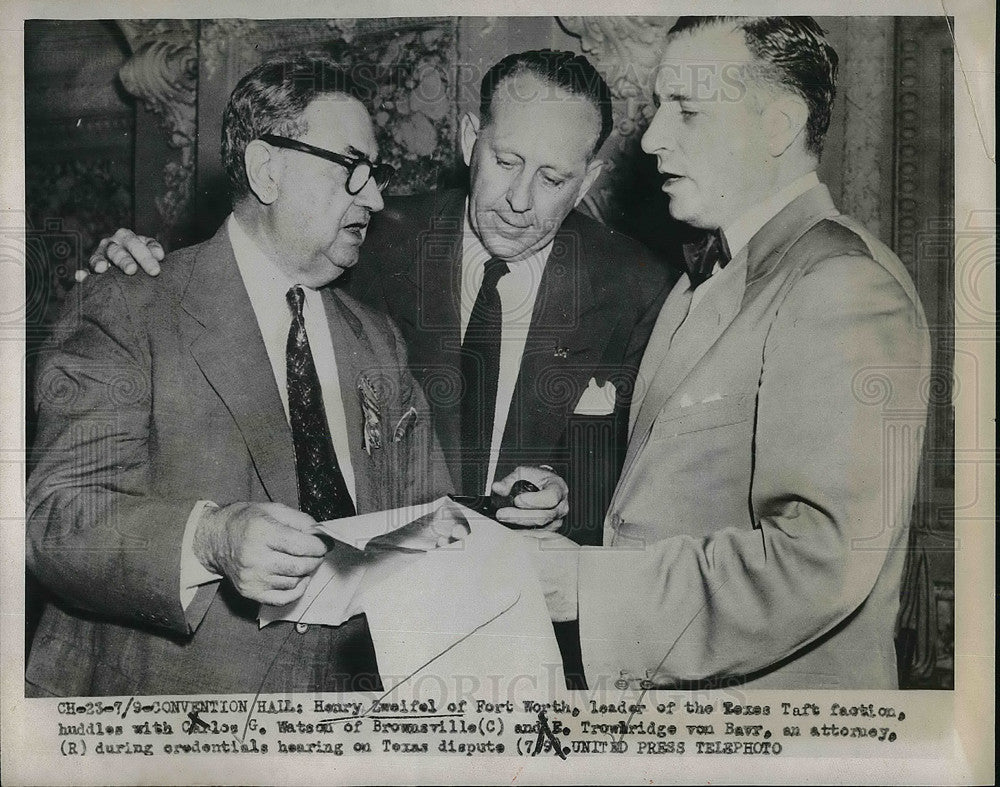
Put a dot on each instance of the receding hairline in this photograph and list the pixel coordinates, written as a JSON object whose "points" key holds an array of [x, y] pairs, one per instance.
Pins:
{"points": [[501, 97]]}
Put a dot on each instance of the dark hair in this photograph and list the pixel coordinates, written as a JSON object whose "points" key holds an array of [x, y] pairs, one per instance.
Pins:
{"points": [[794, 55], [566, 70], [271, 98]]}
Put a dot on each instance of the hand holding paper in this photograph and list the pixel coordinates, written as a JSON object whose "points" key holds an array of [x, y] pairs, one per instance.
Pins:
{"points": [[368, 548], [267, 550], [443, 589]]}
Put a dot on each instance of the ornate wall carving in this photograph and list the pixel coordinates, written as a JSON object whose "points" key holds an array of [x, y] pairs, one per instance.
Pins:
{"points": [[78, 154], [866, 104], [163, 74], [626, 51], [923, 232]]}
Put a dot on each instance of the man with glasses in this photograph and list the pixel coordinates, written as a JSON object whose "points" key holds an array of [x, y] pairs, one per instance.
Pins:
{"points": [[360, 169], [192, 430]]}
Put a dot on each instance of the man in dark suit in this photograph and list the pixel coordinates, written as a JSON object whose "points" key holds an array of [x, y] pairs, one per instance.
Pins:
{"points": [[572, 293], [193, 429], [758, 530]]}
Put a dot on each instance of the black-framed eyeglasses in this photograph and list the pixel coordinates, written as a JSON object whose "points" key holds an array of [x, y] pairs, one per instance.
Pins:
{"points": [[359, 169]]}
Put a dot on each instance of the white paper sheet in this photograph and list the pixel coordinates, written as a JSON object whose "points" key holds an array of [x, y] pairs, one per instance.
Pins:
{"points": [[471, 608], [473, 613], [379, 543]]}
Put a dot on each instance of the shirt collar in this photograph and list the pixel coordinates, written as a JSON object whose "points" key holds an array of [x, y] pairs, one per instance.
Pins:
{"points": [[256, 268], [741, 231]]}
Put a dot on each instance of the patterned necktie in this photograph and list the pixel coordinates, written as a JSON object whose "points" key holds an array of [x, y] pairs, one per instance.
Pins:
{"points": [[702, 257], [480, 365], [322, 490]]}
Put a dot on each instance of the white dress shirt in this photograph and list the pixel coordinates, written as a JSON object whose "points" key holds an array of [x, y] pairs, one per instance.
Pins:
{"points": [[739, 234], [518, 291], [267, 286]]}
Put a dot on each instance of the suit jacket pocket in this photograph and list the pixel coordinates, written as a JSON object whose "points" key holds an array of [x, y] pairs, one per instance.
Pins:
{"points": [[728, 410]]}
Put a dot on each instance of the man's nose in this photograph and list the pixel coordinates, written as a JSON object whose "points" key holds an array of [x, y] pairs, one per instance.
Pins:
{"points": [[659, 135], [370, 197], [519, 195]]}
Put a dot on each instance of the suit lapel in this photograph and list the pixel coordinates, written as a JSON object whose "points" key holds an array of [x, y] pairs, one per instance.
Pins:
{"points": [[354, 356], [674, 310], [228, 348], [435, 276], [710, 318], [439, 268], [552, 349], [696, 334], [769, 245]]}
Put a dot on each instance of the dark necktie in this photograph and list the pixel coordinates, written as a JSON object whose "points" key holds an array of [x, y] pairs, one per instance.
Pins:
{"points": [[322, 490], [480, 366], [702, 257]]}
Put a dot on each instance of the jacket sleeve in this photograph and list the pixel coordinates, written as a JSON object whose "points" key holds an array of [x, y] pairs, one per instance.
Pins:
{"points": [[827, 500], [97, 535]]}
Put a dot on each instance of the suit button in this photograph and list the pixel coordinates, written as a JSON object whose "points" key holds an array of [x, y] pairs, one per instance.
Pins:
{"points": [[301, 628]]}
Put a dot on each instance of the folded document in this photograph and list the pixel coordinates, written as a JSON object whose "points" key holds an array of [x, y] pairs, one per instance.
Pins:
{"points": [[445, 590]]}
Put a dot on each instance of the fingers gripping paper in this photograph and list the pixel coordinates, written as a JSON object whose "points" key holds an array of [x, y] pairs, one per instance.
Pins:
{"points": [[469, 607]]}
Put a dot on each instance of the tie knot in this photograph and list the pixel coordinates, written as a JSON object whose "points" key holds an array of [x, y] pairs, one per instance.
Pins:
{"points": [[295, 297], [495, 270], [702, 257]]}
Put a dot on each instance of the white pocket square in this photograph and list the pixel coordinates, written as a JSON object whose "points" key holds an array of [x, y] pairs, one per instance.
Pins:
{"points": [[597, 399], [687, 401]]}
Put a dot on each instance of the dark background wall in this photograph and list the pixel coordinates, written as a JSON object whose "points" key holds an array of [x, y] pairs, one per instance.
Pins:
{"points": [[123, 121]]}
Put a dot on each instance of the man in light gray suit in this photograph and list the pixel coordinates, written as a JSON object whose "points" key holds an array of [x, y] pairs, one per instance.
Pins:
{"points": [[758, 530], [193, 430]]}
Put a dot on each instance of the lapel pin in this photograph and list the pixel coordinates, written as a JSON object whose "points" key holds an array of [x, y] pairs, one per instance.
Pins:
{"points": [[371, 430], [404, 425], [561, 352]]}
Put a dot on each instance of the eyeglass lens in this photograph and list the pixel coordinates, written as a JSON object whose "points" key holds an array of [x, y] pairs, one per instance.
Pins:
{"points": [[363, 171]]}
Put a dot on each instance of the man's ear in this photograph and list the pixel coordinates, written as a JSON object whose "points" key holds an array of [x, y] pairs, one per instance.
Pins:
{"points": [[263, 173], [469, 133], [785, 120], [593, 170]]}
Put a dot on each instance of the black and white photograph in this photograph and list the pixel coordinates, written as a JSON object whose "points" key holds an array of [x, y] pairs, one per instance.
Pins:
{"points": [[466, 396]]}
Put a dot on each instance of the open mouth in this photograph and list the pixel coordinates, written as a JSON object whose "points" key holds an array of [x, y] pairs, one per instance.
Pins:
{"points": [[357, 229]]}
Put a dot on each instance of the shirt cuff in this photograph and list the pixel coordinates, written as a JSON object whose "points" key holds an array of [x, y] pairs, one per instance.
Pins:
{"points": [[193, 573]]}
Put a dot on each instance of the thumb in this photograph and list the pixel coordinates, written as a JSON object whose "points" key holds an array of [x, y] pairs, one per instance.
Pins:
{"points": [[291, 517], [505, 484], [502, 487]]}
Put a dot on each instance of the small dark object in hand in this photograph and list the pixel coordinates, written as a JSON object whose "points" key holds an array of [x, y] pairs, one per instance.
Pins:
{"points": [[488, 506], [520, 487]]}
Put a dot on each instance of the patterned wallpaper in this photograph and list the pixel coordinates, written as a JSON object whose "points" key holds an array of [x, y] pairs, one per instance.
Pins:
{"points": [[415, 113], [78, 153], [182, 71]]}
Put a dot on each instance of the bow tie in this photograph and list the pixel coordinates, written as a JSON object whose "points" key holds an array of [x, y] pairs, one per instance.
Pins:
{"points": [[702, 256]]}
